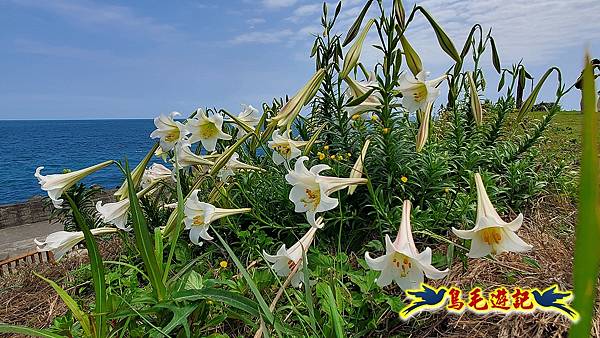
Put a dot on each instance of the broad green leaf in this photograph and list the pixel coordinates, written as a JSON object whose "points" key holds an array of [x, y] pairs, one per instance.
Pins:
{"points": [[97, 268], [180, 317], [5, 328], [413, 61], [266, 312], [193, 281], [587, 232], [353, 31], [81, 316]]}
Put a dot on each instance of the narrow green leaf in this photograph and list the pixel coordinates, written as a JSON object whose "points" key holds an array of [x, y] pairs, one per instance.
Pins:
{"points": [[587, 232], [137, 173], [5, 328], [528, 104], [413, 61], [308, 293], [143, 240], [335, 316], [313, 139], [230, 298], [353, 31], [239, 122], [443, 39], [224, 158], [81, 316], [469, 40], [360, 99], [266, 312], [97, 268]]}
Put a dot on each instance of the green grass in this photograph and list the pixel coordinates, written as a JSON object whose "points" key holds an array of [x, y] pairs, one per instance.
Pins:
{"points": [[563, 137]]}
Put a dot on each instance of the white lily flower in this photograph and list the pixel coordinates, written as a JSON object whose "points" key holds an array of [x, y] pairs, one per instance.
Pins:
{"points": [[62, 241], [491, 235], [310, 191], [232, 165], [402, 262], [156, 172], [56, 184], [285, 260], [117, 213], [168, 131], [187, 158], [199, 215], [357, 169], [207, 130], [249, 116], [285, 148], [358, 89], [418, 91]]}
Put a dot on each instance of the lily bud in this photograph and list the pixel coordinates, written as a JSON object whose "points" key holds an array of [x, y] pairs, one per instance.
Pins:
{"points": [[423, 133], [353, 54], [292, 108], [475, 103]]}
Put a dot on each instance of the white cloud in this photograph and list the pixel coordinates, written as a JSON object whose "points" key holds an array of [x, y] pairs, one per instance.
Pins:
{"points": [[255, 21], [535, 30], [263, 37], [305, 10], [91, 15], [274, 4]]}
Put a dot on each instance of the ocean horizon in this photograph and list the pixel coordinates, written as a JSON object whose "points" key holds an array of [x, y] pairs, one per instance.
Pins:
{"points": [[67, 144]]}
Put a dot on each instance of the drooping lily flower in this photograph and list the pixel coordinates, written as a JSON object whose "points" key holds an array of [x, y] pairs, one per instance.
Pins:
{"points": [[285, 148], [187, 158], [168, 131], [156, 172], [402, 262], [418, 91], [358, 89], [285, 260], [207, 130], [117, 213], [491, 235], [310, 191], [57, 184], [357, 169], [62, 241], [199, 215], [250, 116], [233, 165]]}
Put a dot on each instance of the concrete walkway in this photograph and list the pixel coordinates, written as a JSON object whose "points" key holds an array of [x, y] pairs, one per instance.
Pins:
{"points": [[19, 239]]}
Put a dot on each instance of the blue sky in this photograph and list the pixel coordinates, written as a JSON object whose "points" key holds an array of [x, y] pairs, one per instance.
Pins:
{"points": [[67, 59]]}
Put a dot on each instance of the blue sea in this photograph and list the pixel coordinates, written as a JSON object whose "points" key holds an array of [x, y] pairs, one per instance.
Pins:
{"points": [[58, 145]]}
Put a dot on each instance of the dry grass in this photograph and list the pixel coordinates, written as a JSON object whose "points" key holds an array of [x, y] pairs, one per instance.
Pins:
{"points": [[29, 301]]}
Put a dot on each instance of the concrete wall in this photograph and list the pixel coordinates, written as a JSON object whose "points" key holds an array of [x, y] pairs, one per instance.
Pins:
{"points": [[33, 211]]}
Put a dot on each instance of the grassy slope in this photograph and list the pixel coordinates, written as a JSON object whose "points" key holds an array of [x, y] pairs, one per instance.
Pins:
{"points": [[563, 137]]}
